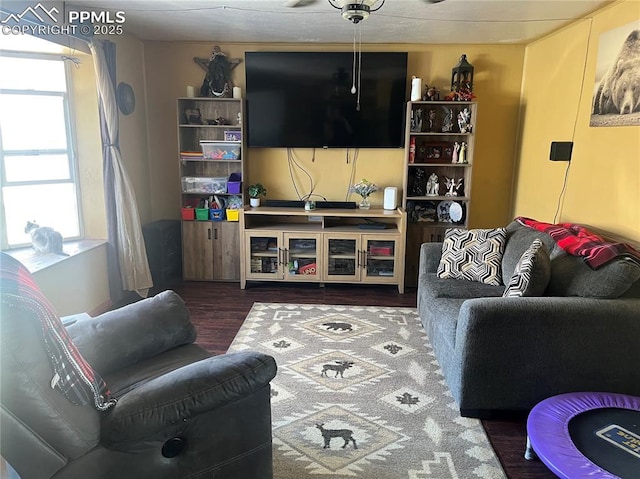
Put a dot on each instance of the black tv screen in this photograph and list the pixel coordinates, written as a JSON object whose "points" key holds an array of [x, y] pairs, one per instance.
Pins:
{"points": [[304, 100]]}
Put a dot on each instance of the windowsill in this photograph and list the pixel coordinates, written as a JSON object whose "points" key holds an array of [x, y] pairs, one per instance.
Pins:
{"points": [[38, 261]]}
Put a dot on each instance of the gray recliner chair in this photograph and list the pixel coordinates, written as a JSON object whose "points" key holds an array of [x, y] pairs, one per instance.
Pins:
{"points": [[179, 412]]}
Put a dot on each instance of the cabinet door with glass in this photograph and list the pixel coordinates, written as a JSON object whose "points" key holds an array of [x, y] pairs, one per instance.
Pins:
{"points": [[264, 255], [343, 258], [302, 256], [381, 256]]}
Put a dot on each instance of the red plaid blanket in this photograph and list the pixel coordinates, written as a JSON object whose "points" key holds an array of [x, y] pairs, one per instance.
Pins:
{"points": [[72, 375], [579, 241]]}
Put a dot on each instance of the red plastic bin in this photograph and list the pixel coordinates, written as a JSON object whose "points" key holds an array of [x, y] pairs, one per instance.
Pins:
{"points": [[188, 214]]}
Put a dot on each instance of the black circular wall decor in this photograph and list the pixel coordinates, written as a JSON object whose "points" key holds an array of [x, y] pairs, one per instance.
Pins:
{"points": [[125, 98]]}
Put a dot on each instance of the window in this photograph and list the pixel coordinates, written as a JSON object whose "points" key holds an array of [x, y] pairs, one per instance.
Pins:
{"points": [[38, 170]]}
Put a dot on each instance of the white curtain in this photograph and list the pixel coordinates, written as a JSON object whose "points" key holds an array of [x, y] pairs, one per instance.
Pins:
{"points": [[132, 254]]}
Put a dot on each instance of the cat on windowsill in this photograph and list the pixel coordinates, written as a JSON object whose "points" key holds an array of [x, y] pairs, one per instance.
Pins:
{"points": [[44, 239]]}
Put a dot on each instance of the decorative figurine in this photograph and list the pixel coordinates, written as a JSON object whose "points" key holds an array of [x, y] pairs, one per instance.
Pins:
{"points": [[453, 186], [447, 123], [464, 121], [419, 183], [433, 187], [462, 157], [217, 82], [432, 121], [431, 94], [456, 152]]}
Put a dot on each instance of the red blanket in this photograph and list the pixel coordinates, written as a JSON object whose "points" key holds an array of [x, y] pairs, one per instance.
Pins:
{"points": [[72, 375], [579, 241]]}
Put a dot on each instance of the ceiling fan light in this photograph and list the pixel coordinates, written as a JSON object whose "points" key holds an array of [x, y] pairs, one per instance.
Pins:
{"points": [[355, 12]]}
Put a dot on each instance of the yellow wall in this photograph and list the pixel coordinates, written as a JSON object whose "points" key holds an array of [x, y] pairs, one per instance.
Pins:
{"points": [[88, 147], [133, 127], [169, 68], [603, 187]]}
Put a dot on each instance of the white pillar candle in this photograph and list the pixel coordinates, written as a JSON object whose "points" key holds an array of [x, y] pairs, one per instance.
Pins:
{"points": [[416, 89], [191, 92], [237, 92]]}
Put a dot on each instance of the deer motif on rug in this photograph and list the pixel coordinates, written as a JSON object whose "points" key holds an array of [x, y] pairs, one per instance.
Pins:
{"points": [[339, 368], [328, 434]]}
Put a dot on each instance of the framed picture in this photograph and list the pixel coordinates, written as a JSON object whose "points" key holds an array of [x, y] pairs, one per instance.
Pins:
{"points": [[233, 135], [438, 152]]}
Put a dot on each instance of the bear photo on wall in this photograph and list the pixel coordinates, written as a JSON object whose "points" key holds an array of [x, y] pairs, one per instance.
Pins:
{"points": [[616, 96]]}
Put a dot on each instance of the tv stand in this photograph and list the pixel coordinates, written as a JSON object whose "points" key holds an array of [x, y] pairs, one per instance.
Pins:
{"points": [[322, 246]]}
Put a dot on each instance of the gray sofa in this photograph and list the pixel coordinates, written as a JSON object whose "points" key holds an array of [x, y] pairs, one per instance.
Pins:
{"points": [[500, 353]]}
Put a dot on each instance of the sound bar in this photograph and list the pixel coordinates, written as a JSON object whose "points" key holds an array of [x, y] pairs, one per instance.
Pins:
{"points": [[285, 203], [341, 205]]}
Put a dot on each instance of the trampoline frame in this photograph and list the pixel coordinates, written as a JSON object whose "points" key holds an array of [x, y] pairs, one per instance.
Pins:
{"points": [[548, 431]]}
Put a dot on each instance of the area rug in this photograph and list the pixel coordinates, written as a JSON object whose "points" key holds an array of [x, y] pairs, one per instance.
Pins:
{"points": [[360, 394]]}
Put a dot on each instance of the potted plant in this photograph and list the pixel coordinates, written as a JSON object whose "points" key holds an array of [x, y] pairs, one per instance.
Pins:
{"points": [[255, 192]]}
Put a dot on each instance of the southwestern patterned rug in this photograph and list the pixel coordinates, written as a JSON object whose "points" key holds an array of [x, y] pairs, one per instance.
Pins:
{"points": [[360, 394]]}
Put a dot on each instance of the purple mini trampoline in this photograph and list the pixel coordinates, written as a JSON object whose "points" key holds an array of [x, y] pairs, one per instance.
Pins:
{"points": [[587, 435]]}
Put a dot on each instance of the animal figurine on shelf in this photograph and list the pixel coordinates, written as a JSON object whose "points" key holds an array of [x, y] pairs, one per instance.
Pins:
{"points": [[44, 239]]}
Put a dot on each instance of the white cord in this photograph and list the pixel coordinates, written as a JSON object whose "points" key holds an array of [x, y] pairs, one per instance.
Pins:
{"points": [[353, 174], [359, 65]]}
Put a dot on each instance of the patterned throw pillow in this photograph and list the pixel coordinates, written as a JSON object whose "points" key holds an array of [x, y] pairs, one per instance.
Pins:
{"points": [[474, 255], [532, 273]]}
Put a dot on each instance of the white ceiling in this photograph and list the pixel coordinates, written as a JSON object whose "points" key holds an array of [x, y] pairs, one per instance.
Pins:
{"points": [[315, 21]]}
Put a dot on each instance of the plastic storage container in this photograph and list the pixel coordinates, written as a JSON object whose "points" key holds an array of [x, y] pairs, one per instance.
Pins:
{"points": [[216, 214], [219, 185], [202, 214], [234, 185], [188, 214], [191, 184], [220, 150], [233, 215]]}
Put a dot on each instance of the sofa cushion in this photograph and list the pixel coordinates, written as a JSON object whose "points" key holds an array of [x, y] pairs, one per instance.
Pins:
{"points": [[474, 255], [519, 238], [531, 274], [432, 287], [570, 276]]}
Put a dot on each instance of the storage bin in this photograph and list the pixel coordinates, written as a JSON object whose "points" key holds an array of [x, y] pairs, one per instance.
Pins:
{"points": [[220, 150], [202, 214], [234, 185], [233, 215], [219, 185], [216, 214], [192, 184], [188, 214]]}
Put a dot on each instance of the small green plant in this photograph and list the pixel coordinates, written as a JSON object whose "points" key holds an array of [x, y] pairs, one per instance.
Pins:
{"points": [[257, 190]]}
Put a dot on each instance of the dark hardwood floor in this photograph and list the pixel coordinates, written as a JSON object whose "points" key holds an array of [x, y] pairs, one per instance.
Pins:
{"points": [[218, 310]]}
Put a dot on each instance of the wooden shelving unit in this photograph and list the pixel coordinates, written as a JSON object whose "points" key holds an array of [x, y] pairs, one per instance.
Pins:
{"points": [[210, 248], [432, 131]]}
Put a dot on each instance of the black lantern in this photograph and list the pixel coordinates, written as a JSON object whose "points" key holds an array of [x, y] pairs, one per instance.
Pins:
{"points": [[462, 75]]}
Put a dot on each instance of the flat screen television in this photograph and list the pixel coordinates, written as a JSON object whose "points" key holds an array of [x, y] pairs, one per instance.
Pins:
{"points": [[304, 100]]}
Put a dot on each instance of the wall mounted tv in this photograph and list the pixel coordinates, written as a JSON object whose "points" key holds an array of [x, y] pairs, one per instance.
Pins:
{"points": [[304, 100]]}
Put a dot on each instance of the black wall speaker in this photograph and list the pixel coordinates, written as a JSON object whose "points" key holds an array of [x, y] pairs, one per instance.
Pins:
{"points": [[561, 150]]}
